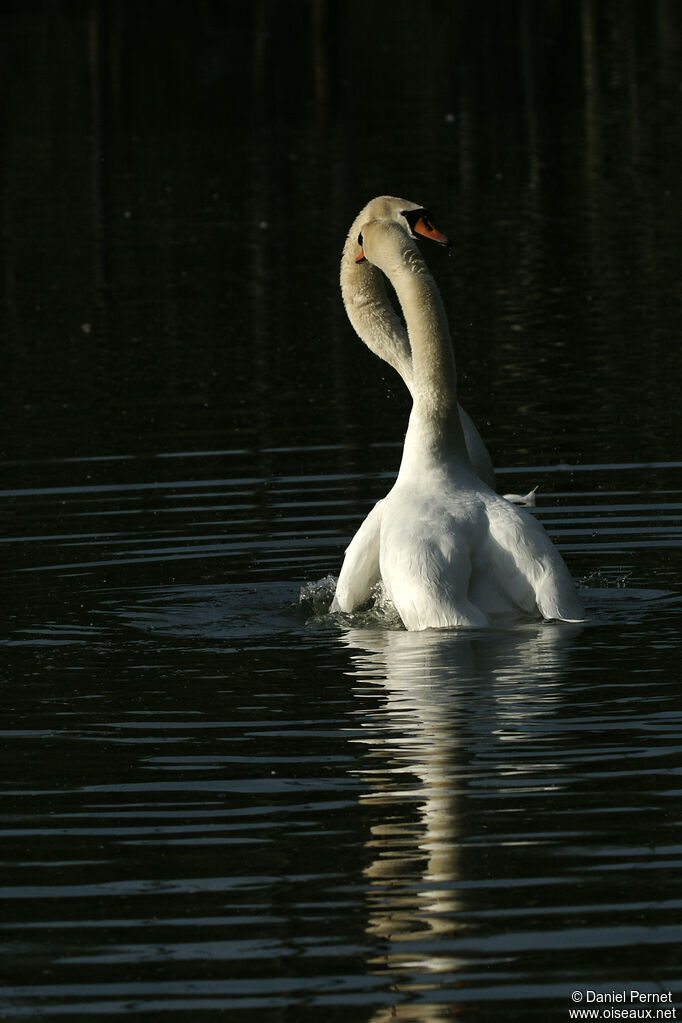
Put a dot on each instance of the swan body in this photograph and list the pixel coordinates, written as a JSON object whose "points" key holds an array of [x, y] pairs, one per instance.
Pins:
{"points": [[448, 549]]}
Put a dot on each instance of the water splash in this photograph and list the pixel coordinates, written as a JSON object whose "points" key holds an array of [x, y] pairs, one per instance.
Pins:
{"points": [[379, 611]]}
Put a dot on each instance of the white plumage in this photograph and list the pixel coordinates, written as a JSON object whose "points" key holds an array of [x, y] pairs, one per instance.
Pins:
{"points": [[448, 549]]}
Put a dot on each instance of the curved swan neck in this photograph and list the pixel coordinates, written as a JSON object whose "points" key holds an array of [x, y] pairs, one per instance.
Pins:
{"points": [[433, 361], [368, 308], [435, 425]]}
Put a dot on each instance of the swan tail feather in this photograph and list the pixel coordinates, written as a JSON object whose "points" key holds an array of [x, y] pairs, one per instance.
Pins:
{"points": [[428, 583]]}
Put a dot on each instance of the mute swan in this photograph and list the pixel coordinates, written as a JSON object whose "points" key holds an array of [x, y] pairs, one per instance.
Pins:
{"points": [[448, 549]]}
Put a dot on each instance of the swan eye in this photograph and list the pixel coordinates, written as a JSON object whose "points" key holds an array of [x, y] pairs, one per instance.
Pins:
{"points": [[421, 222], [418, 218], [360, 241]]}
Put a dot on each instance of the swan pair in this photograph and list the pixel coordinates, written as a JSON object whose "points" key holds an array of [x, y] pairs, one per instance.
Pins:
{"points": [[448, 549]]}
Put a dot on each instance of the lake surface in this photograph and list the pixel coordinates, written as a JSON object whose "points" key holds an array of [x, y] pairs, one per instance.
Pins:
{"points": [[220, 801]]}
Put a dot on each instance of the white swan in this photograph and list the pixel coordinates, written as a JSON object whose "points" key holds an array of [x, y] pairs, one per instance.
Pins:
{"points": [[448, 549]]}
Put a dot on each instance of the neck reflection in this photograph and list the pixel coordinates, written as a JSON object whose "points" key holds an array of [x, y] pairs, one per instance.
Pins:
{"points": [[437, 708]]}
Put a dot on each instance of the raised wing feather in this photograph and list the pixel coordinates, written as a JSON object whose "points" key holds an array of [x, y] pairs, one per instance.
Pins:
{"points": [[360, 570], [528, 568]]}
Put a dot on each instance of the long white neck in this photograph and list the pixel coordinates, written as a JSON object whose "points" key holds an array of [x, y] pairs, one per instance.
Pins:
{"points": [[370, 311], [435, 429]]}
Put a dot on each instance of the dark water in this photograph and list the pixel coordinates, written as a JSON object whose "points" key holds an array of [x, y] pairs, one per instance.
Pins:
{"points": [[219, 801]]}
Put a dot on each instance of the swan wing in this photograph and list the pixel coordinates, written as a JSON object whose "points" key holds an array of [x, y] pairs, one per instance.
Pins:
{"points": [[360, 569], [476, 449], [528, 568]]}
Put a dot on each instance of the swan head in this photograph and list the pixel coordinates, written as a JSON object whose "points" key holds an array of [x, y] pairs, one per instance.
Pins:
{"points": [[387, 246], [415, 220]]}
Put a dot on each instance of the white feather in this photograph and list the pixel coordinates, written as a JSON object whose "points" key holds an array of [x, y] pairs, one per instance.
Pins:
{"points": [[360, 571], [448, 549]]}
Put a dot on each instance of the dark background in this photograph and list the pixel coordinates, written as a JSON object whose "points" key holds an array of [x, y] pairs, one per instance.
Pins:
{"points": [[177, 180]]}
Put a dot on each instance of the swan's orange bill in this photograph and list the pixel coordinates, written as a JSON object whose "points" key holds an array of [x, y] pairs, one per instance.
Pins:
{"points": [[361, 258], [426, 228]]}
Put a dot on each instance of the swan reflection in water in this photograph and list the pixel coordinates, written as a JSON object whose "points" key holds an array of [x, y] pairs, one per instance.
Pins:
{"points": [[437, 707]]}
